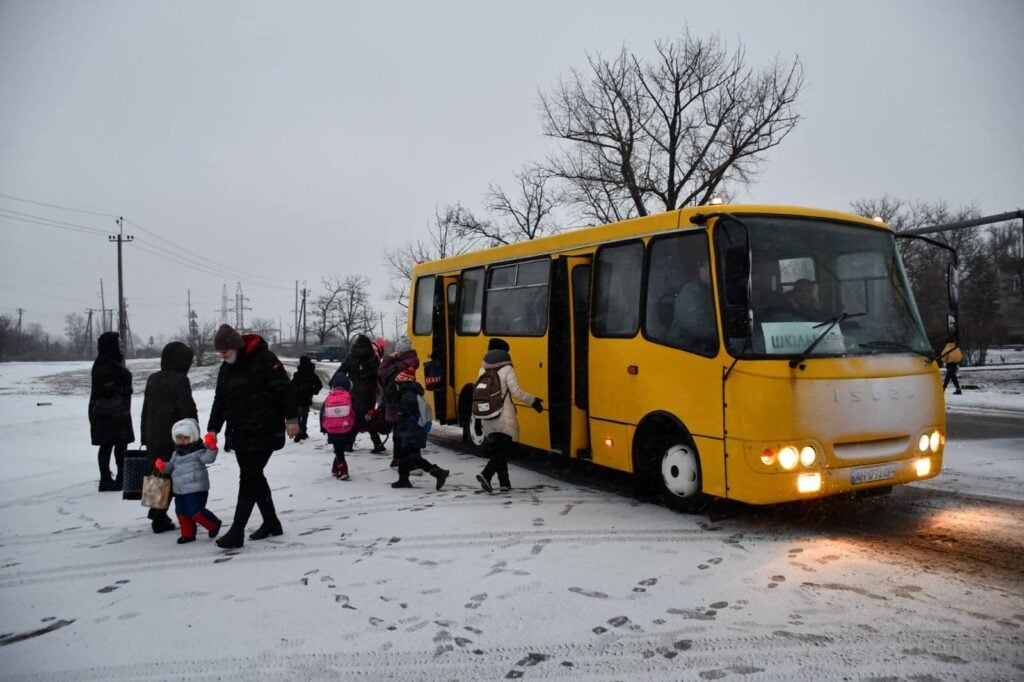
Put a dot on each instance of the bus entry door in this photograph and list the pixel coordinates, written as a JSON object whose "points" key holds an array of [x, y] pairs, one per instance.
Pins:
{"points": [[442, 348], [568, 333]]}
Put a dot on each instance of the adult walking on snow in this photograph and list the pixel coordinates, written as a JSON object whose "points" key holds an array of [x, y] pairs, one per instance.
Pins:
{"points": [[254, 398], [953, 356], [361, 366], [168, 400], [503, 430], [306, 384], [110, 409]]}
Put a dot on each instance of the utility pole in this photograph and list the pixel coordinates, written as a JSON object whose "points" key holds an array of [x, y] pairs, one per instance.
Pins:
{"points": [[382, 324], [88, 330], [21, 311], [193, 325], [296, 311], [224, 303], [122, 319], [302, 315], [240, 309]]}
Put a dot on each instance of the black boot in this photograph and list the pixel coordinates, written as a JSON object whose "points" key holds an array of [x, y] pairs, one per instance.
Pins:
{"points": [[107, 484], [440, 474], [235, 537], [161, 521], [271, 524]]}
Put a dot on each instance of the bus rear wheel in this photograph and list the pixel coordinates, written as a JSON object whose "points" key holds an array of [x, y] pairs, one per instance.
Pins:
{"points": [[677, 477], [473, 432]]}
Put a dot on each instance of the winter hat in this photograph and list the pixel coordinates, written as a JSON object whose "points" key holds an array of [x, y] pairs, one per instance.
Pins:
{"points": [[498, 344], [380, 342], [186, 427], [403, 344], [227, 339], [341, 380]]}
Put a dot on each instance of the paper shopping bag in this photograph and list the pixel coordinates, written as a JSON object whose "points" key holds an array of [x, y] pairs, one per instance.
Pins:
{"points": [[156, 492]]}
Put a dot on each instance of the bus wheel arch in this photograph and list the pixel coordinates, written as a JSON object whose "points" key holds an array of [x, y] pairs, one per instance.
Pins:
{"points": [[667, 464]]}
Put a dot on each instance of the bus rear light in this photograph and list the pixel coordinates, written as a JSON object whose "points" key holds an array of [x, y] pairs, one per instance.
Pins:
{"points": [[934, 441], [807, 455], [788, 457], [922, 442], [609, 442], [923, 466], [808, 483], [768, 457]]}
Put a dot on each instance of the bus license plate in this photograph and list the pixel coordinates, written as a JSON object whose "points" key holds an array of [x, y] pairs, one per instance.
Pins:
{"points": [[871, 474]]}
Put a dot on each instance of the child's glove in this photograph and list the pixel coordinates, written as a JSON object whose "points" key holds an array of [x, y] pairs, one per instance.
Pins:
{"points": [[210, 441], [160, 465], [538, 405]]}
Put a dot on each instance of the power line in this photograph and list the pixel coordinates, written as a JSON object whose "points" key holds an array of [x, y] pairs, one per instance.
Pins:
{"points": [[171, 256], [48, 222], [63, 208]]}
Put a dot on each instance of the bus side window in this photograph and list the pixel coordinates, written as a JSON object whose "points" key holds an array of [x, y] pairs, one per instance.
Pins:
{"points": [[680, 306], [617, 273]]}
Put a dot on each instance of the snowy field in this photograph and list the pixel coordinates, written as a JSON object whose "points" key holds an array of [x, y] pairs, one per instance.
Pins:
{"points": [[554, 580]]}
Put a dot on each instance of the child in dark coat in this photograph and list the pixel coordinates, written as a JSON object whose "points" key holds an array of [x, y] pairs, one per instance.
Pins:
{"points": [[189, 479], [305, 384], [411, 438]]}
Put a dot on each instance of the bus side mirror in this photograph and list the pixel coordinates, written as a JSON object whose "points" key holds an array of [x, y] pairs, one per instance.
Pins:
{"points": [[736, 321], [952, 325], [953, 282], [737, 275]]}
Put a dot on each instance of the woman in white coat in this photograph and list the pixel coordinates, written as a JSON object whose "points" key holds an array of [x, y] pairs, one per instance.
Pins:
{"points": [[502, 431]]}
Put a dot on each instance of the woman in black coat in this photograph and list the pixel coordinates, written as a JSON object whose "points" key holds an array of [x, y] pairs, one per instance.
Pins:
{"points": [[168, 399], [255, 402], [361, 368], [305, 384], [110, 409]]}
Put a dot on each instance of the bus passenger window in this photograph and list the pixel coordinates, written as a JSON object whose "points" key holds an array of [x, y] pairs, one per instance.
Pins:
{"points": [[471, 302], [423, 315], [517, 299], [680, 306], [617, 272]]}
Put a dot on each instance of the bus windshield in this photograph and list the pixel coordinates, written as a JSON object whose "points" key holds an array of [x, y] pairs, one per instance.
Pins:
{"points": [[804, 274]]}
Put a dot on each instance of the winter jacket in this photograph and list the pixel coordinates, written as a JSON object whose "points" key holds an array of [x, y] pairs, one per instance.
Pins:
{"points": [[407, 430], [168, 398], [506, 422], [254, 398], [306, 383], [951, 354], [110, 399], [361, 366], [187, 468], [403, 363]]}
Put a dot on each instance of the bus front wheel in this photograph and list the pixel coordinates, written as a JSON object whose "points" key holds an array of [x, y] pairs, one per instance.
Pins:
{"points": [[473, 433], [678, 478]]}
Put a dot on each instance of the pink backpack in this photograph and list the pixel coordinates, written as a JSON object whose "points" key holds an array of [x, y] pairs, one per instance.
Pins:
{"points": [[337, 413]]}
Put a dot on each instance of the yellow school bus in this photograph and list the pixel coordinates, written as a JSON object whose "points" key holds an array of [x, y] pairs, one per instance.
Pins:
{"points": [[754, 353]]}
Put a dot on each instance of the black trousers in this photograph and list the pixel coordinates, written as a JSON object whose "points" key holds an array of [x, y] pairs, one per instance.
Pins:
{"points": [[251, 480], [303, 419], [103, 459], [497, 447], [952, 374]]}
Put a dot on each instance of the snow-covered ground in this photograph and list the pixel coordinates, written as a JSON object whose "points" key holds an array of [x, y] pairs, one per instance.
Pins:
{"points": [[553, 580]]}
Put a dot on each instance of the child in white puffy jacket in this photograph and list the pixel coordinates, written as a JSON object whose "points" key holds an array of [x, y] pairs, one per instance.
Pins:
{"points": [[190, 481]]}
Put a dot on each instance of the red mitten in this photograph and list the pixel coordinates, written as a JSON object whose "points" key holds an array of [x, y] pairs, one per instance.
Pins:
{"points": [[210, 441], [160, 465]]}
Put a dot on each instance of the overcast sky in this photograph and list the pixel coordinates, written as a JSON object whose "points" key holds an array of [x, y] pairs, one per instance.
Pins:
{"points": [[286, 141]]}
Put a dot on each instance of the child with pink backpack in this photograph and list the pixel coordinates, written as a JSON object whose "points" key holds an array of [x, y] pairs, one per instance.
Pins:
{"points": [[337, 420]]}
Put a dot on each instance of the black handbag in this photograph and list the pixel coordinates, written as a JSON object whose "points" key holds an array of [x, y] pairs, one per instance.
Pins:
{"points": [[135, 469]]}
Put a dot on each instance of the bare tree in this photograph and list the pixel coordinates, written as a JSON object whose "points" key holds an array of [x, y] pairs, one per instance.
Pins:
{"points": [[446, 237], [525, 215], [324, 309], [654, 136], [77, 333], [199, 339], [355, 314], [264, 326]]}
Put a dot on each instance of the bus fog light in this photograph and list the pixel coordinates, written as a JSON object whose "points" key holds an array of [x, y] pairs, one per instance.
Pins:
{"points": [[923, 466], [808, 483], [788, 457], [934, 441], [807, 455], [922, 442], [768, 457]]}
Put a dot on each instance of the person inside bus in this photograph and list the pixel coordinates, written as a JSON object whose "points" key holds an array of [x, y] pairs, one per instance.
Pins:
{"points": [[693, 315], [803, 299]]}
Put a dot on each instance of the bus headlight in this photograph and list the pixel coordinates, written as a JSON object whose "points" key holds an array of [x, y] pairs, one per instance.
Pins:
{"points": [[934, 441], [808, 483], [922, 442], [807, 455], [788, 457], [923, 466]]}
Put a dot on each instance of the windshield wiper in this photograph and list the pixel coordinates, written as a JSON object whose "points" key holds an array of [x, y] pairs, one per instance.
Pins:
{"points": [[830, 324], [896, 345]]}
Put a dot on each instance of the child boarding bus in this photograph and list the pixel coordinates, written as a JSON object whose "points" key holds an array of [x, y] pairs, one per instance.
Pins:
{"points": [[753, 353]]}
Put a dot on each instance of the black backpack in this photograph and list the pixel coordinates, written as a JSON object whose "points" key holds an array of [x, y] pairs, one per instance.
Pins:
{"points": [[488, 399], [390, 391]]}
